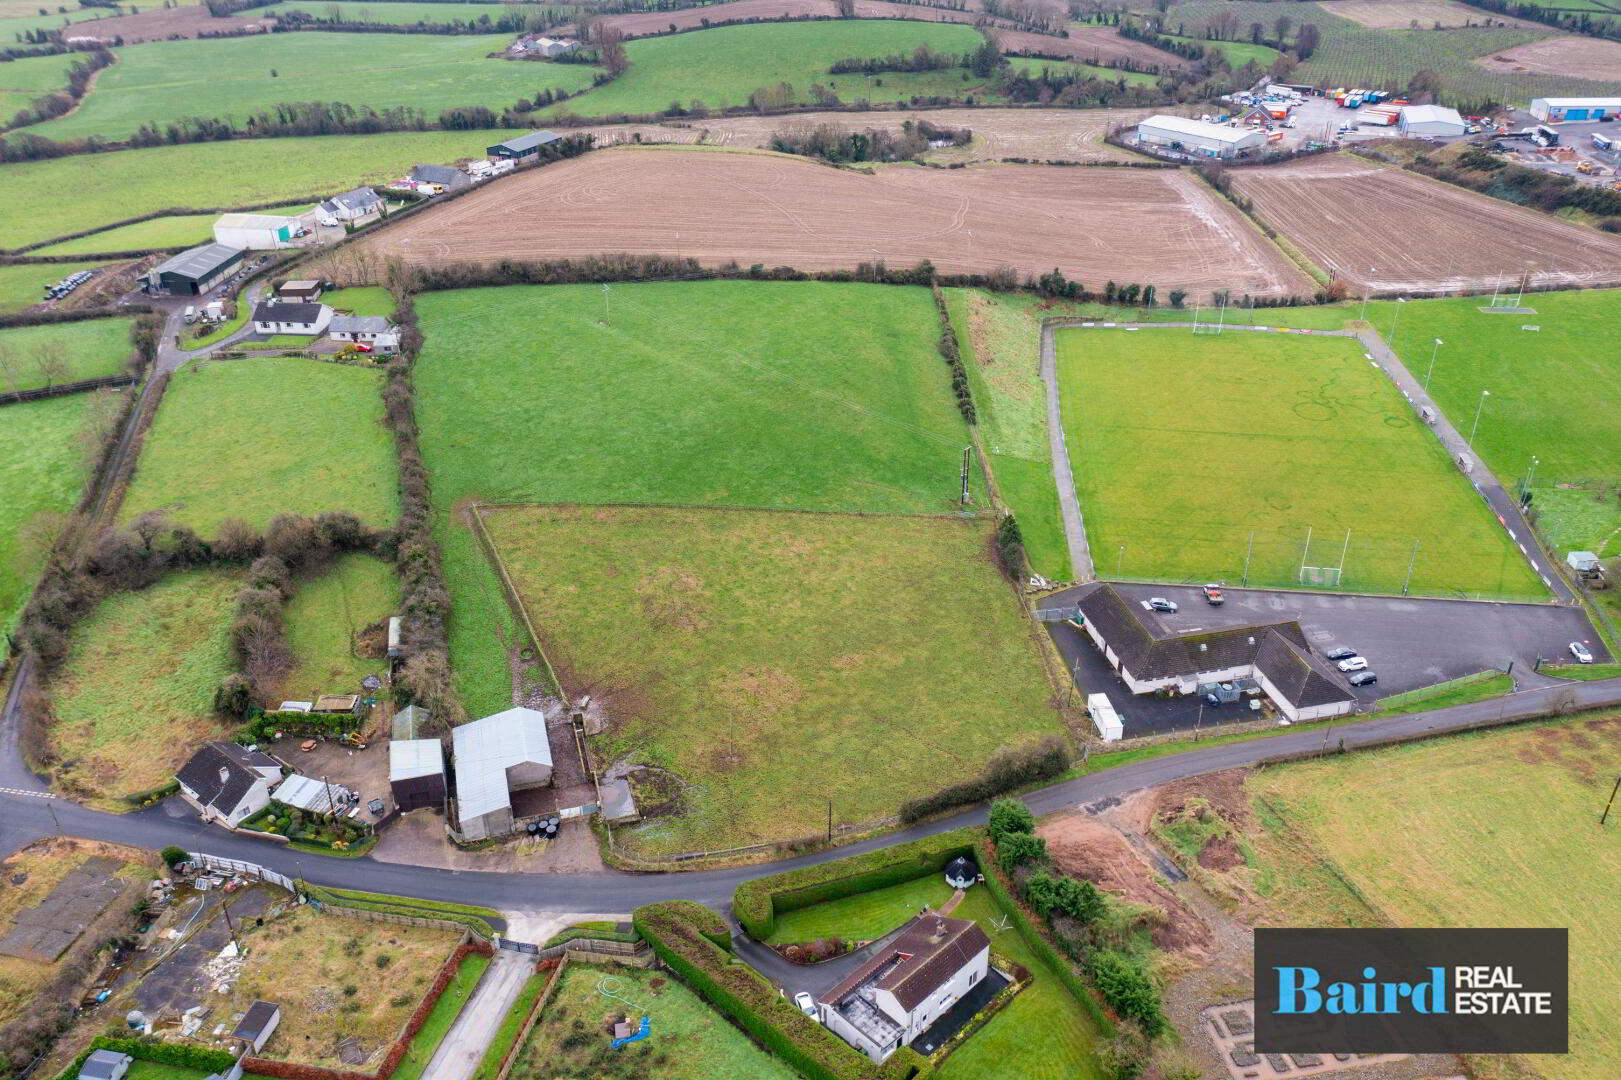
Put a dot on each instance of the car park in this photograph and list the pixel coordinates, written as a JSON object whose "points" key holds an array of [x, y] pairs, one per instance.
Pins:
{"points": [[1340, 652], [1363, 678], [1581, 652], [1353, 663], [1160, 604]]}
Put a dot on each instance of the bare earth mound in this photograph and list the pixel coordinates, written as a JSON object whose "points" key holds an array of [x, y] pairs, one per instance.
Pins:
{"points": [[1160, 226], [1575, 57], [1036, 134], [1401, 14], [1396, 231]]}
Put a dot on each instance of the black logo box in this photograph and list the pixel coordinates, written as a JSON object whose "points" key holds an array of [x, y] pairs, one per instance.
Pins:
{"points": [[1539, 959]]}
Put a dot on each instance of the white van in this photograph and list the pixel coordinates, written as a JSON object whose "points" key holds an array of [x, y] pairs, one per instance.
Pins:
{"points": [[191, 314]]}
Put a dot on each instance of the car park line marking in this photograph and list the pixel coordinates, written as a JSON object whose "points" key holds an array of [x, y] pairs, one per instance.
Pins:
{"points": [[25, 791]]}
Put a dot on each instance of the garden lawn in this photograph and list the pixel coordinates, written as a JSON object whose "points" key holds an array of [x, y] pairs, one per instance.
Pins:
{"points": [[303, 955], [324, 621], [723, 66], [689, 1040], [88, 350], [152, 1070], [181, 230], [254, 438], [163, 82], [1553, 395], [22, 285], [46, 199], [363, 300], [1185, 446], [41, 473], [135, 697], [445, 1011], [760, 657], [1043, 1034], [1493, 829], [798, 395]]}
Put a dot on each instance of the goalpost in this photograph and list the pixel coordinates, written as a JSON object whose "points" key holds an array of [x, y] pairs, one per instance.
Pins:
{"points": [[1328, 576]]}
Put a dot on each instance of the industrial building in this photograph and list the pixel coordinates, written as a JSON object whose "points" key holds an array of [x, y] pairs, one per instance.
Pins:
{"points": [[524, 146], [1433, 120], [495, 758], [257, 232], [194, 272], [1199, 136], [1558, 110]]}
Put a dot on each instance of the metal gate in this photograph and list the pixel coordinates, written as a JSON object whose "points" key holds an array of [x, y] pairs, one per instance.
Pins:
{"points": [[518, 946]]}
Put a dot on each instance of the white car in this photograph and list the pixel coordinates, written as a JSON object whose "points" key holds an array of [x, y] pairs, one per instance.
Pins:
{"points": [[1581, 653], [1353, 663], [806, 1003]]}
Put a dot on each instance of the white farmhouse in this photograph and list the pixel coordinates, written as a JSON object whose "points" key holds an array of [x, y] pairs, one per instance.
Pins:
{"points": [[285, 318]]}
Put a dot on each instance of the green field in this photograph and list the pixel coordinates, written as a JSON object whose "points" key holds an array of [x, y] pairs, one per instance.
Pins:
{"points": [[22, 286], [1185, 446], [1482, 830], [325, 619], [401, 12], [23, 81], [689, 1040], [709, 393], [364, 300], [725, 65], [742, 651], [1237, 53], [1044, 1034], [54, 198], [181, 230], [1033, 67], [166, 81], [41, 473], [135, 698], [251, 439], [33, 356]]}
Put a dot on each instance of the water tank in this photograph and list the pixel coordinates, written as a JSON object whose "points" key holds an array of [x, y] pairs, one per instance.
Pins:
{"points": [[136, 1019]]}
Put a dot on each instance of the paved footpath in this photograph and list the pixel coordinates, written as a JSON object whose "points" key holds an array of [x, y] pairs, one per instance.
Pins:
{"points": [[463, 1048]]}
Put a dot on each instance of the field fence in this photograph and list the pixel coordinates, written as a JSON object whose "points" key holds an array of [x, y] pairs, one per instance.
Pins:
{"points": [[399, 920], [796, 846], [39, 393]]}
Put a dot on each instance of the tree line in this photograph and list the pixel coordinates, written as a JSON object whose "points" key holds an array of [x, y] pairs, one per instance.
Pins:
{"points": [[829, 142]]}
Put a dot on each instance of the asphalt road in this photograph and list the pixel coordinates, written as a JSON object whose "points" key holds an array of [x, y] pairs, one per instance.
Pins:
{"points": [[24, 818]]}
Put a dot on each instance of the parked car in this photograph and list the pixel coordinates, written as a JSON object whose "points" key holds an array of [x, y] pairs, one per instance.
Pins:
{"points": [[1159, 603], [1340, 652], [362, 347], [1582, 654], [1363, 678], [1354, 663], [806, 1003], [1212, 595]]}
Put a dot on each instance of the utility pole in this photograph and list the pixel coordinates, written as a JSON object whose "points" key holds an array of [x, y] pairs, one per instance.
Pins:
{"points": [[1530, 479], [1119, 557], [1484, 394], [1606, 815], [1396, 322], [225, 908], [830, 821], [967, 461], [1431, 371]]}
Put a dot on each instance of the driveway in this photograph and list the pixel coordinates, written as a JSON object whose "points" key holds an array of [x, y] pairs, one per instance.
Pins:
{"points": [[814, 979], [462, 1050]]}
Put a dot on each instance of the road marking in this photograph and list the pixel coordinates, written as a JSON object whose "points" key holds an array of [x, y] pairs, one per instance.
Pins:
{"points": [[1523, 551], [24, 791]]}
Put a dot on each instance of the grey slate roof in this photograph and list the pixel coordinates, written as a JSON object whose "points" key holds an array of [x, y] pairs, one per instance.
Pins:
{"points": [[285, 312], [358, 324], [103, 1065], [485, 749], [1149, 651], [1298, 675], [933, 947], [447, 175], [221, 774], [259, 1016], [531, 140], [199, 262], [358, 199]]}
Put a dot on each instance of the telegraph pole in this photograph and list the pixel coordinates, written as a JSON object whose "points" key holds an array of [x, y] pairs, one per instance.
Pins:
{"points": [[967, 461], [1605, 816]]}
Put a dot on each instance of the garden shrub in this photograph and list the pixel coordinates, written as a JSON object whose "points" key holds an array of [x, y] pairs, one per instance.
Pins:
{"points": [[1010, 768], [1010, 816], [1128, 989], [1020, 848]]}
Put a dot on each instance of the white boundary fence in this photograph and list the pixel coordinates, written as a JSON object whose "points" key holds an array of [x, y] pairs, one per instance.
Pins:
{"points": [[217, 864]]}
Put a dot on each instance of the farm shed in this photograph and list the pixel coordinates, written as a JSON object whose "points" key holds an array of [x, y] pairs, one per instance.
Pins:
{"points": [[1150, 658], [416, 773], [316, 796], [1197, 136], [445, 176], [283, 318], [303, 290], [105, 1065], [350, 206], [494, 757], [194, 272], [226, 782], [1562, 109], [1434, 120], [257, 1025], [547, 46], [256, 232], [524, 146], [336, 703]]}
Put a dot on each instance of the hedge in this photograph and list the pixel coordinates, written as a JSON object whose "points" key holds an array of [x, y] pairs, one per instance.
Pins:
{"points": [[682, 939], [756, 903], [163, 1053], [574, 933]]}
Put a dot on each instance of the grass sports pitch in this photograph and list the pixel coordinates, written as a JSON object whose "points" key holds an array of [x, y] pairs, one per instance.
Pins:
{"points": [[764, 658], [1184, 446]]}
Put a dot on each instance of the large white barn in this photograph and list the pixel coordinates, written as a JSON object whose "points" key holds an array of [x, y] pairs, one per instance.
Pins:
{"points": [[1198, 136]]}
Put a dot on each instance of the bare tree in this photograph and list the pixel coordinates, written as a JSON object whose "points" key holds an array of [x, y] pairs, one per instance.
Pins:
{"points": [[10, 370], [846, 8], [35, 538], [100, 421], [1280, 28], [611, 49], [51, 358]]}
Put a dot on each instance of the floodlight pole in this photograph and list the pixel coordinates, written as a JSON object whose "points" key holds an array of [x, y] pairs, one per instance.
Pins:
{"points": [[1606, 815], [1412, 562], [1396, 322], [1340, 576], [1119, 557], [1530, 479], [1484, 394], [1431, 371], [1247, 553], [967, 461]]}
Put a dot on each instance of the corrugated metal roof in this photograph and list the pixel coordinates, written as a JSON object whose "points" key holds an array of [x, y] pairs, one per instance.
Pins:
{"points": [[485, 749], [1581, 102], [253, 221], [1183, 125], [1431, 114], [308, 793], [410, 758], [533, 139], [199, 262]]}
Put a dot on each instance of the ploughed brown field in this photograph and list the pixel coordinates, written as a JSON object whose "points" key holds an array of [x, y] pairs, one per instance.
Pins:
{"points": [[1393, 230], [1401, 14], [1574, 57], [161, 24], [1158, 226], [1092, 43], [1037, 134]]}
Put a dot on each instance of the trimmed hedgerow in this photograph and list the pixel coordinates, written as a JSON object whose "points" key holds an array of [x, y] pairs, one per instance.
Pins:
{"points": [[757, 903], [682, 934]]}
